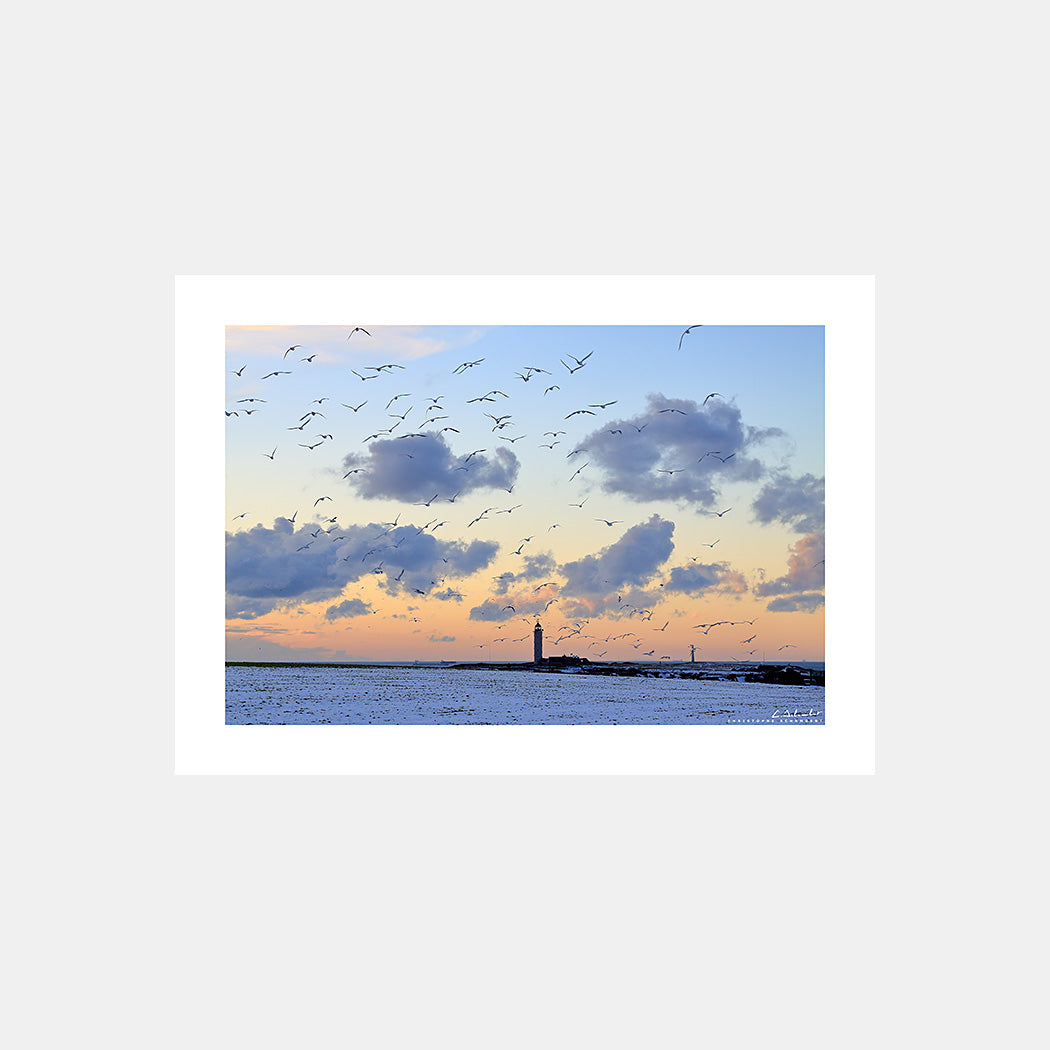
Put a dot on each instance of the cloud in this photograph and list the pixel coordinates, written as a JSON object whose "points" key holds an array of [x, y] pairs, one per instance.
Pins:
{"points": [[240, 608], [283, 566], [282, 563], [620, 605], [495, 610], [809, 602], [696, 578], [703, 445], [422, 467], [350, 607], [534, 567], [591, 584], [632, 559], [527, 601], [443, 638], [803, 580], [798, 502], [416, 560]]}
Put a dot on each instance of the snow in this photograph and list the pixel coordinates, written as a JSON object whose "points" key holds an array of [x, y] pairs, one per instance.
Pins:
{"points": [[414, 695]]}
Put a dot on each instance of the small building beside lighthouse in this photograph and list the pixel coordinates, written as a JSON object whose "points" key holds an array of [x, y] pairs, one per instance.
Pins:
{"points": [[537, 644]]}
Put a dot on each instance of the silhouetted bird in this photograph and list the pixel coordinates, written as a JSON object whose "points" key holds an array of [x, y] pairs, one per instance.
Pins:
{"points": [[686, 332]]}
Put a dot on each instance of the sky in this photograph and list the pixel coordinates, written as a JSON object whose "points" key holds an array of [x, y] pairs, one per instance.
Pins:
{"points": [[431, 493]]}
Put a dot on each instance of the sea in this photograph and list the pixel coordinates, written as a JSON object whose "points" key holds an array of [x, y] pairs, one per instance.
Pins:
{"points": [[439, 694]]}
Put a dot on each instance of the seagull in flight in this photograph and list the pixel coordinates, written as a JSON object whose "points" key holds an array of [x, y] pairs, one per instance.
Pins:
{"points": [[686, 332], [708, 398], [277, 374], [359, 329], [580, 412], [269, 455], [298, 346], [238, 371], [550, 388], [677, 470], [609, 523], [577, 472], [720, 513], [467, 364], [361, 377], [352, 407], [606, 405]]}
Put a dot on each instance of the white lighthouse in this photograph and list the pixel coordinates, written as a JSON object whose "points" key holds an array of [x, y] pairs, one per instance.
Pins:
{"points": [[537, 644]]}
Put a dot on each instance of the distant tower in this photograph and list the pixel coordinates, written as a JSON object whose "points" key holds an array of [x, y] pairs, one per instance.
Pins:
{"points": [[537, 644], [692, 654]]}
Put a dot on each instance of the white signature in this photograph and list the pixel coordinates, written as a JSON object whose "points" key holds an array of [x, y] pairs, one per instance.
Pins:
{"points": [[794, 714]]}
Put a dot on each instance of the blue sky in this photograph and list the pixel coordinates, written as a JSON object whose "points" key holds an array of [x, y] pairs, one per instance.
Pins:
{"points": [[346, 440]]}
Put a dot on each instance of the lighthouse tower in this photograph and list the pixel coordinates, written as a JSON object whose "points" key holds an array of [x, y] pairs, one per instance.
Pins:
{"points": [[537, 644]]}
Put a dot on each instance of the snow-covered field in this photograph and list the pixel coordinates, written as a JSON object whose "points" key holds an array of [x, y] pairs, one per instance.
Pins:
{"points": [[420, 695]]}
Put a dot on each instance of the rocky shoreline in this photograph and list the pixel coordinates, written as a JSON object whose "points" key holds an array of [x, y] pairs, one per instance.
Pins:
{"points": [[765, 674]]}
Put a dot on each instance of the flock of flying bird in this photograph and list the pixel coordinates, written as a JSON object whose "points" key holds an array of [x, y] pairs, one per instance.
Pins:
{"points": [[500, 423]]}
